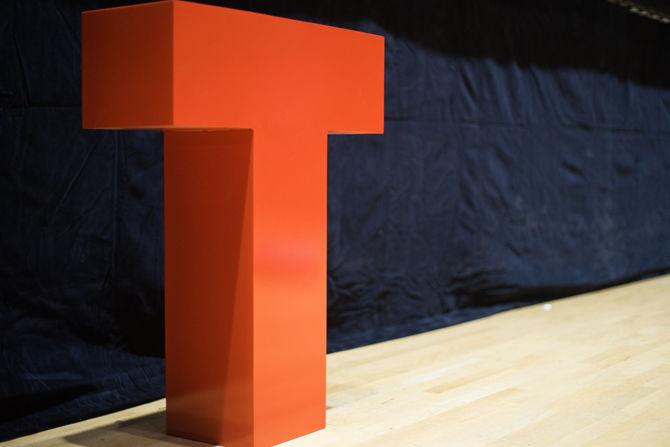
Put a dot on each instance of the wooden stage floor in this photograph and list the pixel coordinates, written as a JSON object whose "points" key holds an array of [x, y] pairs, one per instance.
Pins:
{"points": [[589, 370]]}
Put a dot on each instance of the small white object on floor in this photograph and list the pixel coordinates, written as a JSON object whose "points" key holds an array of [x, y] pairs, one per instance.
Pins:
{"points": [[546, 306]]}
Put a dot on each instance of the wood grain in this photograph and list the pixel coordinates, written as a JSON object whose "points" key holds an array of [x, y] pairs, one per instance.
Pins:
{"points": [[592, 370]]}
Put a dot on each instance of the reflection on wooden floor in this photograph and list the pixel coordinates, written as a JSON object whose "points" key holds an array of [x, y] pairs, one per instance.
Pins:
{"points": [[590, 370]]}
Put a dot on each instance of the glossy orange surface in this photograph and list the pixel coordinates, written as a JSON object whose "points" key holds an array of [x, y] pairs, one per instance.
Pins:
{"points": [[246, 101]]}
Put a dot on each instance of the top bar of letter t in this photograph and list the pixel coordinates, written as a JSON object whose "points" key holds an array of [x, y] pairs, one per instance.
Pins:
{"points": [[185, 65]]}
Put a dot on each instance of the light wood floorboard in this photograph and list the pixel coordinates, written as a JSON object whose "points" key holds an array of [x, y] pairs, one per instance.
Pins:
{"points": [[592, 370]]}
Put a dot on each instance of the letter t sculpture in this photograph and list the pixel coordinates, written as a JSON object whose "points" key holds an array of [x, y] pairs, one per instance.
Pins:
{"points": [[246, 102]]}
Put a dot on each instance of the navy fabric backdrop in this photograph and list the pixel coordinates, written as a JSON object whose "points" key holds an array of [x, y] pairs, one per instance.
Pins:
{"points": [[526, 156]]}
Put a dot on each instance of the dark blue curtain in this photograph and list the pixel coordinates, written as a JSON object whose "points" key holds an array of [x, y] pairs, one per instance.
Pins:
{"points": [[526, 157]]}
